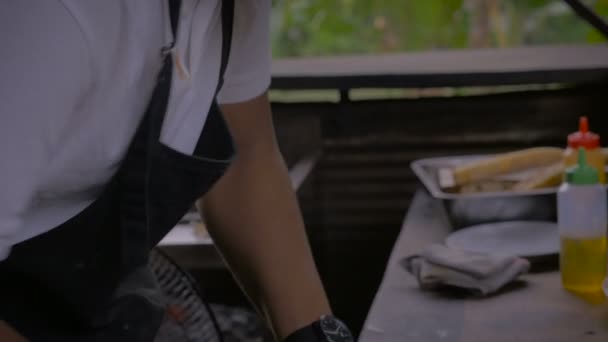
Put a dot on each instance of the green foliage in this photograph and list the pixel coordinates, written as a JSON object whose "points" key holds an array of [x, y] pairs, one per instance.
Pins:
{"points": [[334, 27], [601, 7]]}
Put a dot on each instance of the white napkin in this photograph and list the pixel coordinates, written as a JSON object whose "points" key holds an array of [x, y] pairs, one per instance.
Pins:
{"points": [[482, 274]]}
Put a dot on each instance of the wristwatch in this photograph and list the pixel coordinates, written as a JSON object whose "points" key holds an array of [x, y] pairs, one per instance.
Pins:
{"points": [[327, 329]]}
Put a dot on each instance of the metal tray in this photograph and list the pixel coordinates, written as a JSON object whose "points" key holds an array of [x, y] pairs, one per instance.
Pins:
{"points": [[427, 171], [476, 208]]}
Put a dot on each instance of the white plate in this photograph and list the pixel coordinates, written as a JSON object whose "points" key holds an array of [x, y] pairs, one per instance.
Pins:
{"points": [[521, 238]]}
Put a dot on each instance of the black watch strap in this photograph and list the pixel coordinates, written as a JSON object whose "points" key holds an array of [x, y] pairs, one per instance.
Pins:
{"points": [[306, 334], [326, 329]]}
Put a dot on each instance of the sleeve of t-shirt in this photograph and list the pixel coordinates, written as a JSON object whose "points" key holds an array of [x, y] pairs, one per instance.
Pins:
{"points": [[248, 70], [43, 71]]}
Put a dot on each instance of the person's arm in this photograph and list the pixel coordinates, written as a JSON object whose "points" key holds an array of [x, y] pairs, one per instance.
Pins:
{"points": [[254, 219], [8, 334]]}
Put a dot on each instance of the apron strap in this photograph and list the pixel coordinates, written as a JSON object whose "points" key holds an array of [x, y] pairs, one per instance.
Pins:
{"points": [[135, 182], [227, 25], [227, 20], [174, 6]]}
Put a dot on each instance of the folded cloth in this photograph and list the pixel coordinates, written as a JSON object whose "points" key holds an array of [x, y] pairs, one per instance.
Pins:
{"points": [[482, 274]]}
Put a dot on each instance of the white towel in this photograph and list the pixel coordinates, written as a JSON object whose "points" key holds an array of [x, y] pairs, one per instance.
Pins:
{"points": [[482, 274]]}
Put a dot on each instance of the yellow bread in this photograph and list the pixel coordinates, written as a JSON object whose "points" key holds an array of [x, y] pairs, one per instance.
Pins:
{"points": [[546, 177], [500, 165]]}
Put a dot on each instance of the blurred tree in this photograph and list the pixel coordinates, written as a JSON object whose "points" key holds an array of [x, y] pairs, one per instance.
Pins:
{"points": [[320, 27]]}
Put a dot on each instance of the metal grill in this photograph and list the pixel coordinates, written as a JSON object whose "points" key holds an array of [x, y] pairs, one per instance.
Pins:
{"points": [[189, 317]]}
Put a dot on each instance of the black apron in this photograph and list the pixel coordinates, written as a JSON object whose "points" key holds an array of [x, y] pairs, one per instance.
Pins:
{"points": [[88, 280]]}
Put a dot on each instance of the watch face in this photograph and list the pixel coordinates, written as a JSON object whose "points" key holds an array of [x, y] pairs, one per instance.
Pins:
{"points": [[335, 330]]}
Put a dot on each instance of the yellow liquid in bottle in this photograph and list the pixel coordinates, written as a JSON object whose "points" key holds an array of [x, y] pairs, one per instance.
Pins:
{"points": [[583, 263]]}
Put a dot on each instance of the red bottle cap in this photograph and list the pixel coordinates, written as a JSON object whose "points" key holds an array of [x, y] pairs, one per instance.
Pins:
{"points": [[583, 138]]}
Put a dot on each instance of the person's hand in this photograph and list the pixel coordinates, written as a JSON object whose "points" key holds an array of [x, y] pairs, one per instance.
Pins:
{"points": [[8, 334]]}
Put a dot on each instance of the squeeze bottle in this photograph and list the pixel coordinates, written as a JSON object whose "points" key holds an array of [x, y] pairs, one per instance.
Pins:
{"points": [[581, 205], [591, 143]]}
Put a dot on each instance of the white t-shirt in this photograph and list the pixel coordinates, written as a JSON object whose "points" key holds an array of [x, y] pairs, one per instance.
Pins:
{"points": [[75, 78]]}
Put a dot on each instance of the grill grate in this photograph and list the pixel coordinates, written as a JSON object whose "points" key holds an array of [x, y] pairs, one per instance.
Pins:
{"points": [[189, 317]]}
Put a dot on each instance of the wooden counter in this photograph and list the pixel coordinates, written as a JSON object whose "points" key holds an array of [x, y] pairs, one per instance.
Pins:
{"points": [[536, 309]]}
